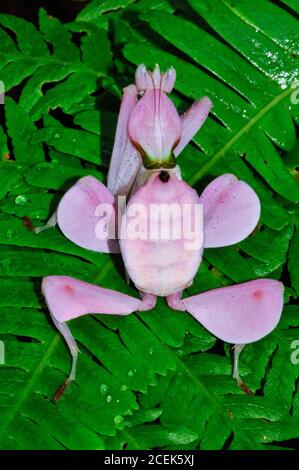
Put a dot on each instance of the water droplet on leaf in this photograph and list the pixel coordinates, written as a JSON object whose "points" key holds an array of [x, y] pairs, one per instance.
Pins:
{"points": [[22, 200], [104, 389], [10, 233], [118, 419]]}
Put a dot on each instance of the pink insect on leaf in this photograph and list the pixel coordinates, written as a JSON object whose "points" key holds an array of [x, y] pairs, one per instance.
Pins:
{"points": [[149, 136]]}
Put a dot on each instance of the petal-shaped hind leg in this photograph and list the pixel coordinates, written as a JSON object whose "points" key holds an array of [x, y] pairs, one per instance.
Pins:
{"points": [[239, 314], [125, 161], [86, 216], [85, 209], [231, 211], [192, 121], [68, 298]]}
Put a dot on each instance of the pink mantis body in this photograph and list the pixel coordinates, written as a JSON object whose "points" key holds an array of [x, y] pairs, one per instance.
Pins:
{"points": [[149, 135]]}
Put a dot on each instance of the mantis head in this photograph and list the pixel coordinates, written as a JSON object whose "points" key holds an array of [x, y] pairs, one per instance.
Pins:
{"points": [[155, 127]]}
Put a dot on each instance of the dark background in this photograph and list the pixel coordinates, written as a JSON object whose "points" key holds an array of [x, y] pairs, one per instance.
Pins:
{"points": [[65, 10]]}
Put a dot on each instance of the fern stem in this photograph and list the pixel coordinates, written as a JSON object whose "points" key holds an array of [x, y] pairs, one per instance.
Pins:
{"points": [[221, 152], [6, 422]]}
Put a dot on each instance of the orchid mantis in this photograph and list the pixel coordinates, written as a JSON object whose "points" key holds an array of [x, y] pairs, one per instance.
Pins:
{"points": [[150, 135]]}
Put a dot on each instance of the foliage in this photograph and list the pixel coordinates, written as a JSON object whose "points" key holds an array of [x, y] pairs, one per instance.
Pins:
{"points": [[153, 379]]}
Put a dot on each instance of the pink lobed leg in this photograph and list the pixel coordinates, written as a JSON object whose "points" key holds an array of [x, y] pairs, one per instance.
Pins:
{"points": [[84, 215], [239, 314], [231, 211], [192, 120], [82, 212], [68, 298], [125, 161]]}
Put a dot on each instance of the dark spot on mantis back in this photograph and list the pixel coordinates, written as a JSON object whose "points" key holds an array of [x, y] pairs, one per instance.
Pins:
{"points": [[164, 176]]}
